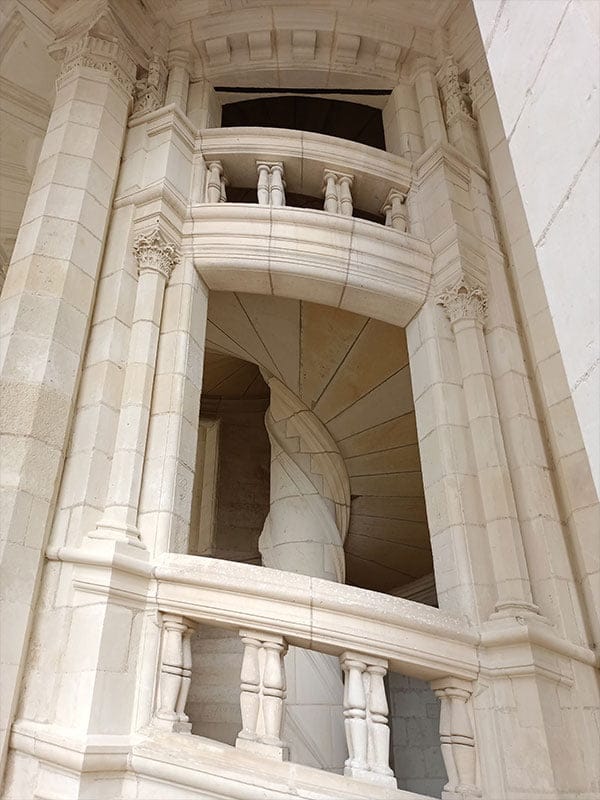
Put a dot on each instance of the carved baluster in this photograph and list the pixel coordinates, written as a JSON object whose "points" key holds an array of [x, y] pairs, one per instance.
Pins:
{"points": [[262, 694], [277, 185], [394, 209], [377, 721], [250, 688], [214, 188], [345, 195], [262, 188], [186, 679], [171, 671], [331, 192], [355, 714], [273, 691], [457, 738]]}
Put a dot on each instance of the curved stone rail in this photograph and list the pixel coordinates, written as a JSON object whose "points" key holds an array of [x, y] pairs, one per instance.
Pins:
{"points": [[305, 157], [310, 255], [316, 614]]}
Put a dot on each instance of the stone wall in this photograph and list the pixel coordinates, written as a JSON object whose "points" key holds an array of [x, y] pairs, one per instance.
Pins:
{"points": [[549, 109]]}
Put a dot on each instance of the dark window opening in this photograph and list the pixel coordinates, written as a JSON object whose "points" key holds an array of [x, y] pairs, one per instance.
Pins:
{"points": [[238, 194], [353, 121]]}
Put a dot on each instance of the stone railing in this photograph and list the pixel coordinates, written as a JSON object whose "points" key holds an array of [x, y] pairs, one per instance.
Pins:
{"points": [[369, 632], [346, 174]]}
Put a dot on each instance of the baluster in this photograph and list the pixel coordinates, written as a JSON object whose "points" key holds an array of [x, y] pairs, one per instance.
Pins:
{"points": [[345, 195], [171, 671], [214, 188], [262, 188], [394, 209], [457, 738], [186, 680], [250, 688], [366, 719], [330, 190], [377, 716], [277, 185], [355, 713], [262, 694]]}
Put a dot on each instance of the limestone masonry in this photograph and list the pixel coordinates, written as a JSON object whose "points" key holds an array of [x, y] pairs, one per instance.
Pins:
{"points": [[300, 456]]}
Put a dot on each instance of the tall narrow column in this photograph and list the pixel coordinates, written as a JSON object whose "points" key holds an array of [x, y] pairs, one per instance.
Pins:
{"points": [[46, 307], [179, 79], [156, 258], [466, 309], [430, 108]]}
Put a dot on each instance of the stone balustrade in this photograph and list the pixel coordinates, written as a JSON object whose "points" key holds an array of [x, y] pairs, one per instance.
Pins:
{"points": [[348, 175], [369, 632]]}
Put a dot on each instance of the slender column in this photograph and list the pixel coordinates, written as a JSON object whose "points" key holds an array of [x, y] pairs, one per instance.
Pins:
{"points": [[156, 259], [366, 719], [46, 306], [277, 185], [330, 191], [215, 187], [179, 79], [432, 119], [262, 188], [457, 738], [466, 308], [345, 195], [394, 209], [262, 694], [175, 674], [170, 462]]}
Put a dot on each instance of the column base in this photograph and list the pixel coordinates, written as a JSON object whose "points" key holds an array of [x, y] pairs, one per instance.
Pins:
{"points": [[172, 725], [280, 751], [115, 531], [368, 776]]}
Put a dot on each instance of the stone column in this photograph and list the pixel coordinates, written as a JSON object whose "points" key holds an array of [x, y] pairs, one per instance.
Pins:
{"points": [[156, 258], [426, 87], [46, 306], [166, 497], [179, 79], [304, 532], [466, 309]]}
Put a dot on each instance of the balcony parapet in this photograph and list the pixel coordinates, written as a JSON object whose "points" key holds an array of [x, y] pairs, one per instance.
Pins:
{"points": [[308, 161]]}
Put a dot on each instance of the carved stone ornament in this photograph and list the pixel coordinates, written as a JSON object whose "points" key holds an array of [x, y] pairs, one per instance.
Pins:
{"points": [[150, 92], [154, 253], [455, 92], [100, 54], [481, 88], [464, 302]]}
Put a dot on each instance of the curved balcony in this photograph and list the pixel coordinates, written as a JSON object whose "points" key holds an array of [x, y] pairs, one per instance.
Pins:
{"points": [[327, 256], [371, 633]]}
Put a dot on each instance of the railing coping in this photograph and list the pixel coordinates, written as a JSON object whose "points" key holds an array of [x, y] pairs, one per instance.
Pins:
{"points": [[317, 614]]}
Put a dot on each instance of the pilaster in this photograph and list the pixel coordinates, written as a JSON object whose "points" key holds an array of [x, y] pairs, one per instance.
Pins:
{"points": [[54, 271]]}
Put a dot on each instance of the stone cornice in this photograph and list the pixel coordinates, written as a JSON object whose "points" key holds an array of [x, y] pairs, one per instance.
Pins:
{"points": [[154, 253], [462, 301]]}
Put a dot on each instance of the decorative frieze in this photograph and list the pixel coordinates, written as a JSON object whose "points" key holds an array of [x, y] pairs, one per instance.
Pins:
{"points": [[462, 301], [481, 88], [154, 253], [100, 54]]}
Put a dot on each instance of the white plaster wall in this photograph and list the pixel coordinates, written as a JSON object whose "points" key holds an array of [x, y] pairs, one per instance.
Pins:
{"points": [[550, 111]]}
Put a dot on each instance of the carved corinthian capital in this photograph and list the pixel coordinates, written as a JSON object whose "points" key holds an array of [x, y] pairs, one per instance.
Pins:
{"points": [[155, 254], [97, 53], [462, 301]]}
